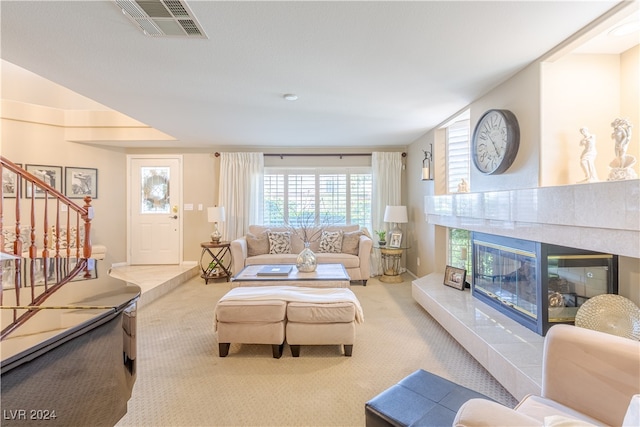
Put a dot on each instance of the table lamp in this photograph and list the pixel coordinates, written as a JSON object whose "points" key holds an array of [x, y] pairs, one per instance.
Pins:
{"points": [[396, 215], [215, 215]]}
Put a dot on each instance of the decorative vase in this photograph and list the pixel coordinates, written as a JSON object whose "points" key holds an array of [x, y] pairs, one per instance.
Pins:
{"points": [[306, 261]]}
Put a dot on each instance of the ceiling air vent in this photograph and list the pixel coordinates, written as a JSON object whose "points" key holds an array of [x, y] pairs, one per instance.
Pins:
{"points": [[162, 18]]}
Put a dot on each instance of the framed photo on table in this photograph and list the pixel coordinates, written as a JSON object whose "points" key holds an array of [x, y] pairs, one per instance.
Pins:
{"points": [[455, 277], [395, 240], [81, 182], [51, 175]]}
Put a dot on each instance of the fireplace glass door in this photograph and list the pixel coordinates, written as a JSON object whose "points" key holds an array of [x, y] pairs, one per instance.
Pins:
{"points": [[573, 279], [508, 275], [538, 284]]}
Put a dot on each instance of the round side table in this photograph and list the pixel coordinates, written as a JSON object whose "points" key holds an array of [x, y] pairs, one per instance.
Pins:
{"points": [[390, 259], [215, 269]]}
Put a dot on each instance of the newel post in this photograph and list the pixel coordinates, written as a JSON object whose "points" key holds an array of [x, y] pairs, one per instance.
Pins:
{"points": [[87, 217]]}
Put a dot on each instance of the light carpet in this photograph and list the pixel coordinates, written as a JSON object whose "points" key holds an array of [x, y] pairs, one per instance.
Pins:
{"points": [[182, 382]]}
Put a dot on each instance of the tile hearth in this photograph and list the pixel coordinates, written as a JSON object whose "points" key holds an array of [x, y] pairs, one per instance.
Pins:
{"points": [[509, 351]]}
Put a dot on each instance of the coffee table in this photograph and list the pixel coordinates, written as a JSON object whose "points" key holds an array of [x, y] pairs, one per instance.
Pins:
{"points": [[325, 276]]}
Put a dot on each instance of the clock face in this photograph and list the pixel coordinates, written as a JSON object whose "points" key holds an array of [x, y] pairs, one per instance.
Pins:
{"points": [[495, 141]]}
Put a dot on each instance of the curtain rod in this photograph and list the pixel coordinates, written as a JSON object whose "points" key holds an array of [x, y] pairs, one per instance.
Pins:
{"points": [[341, 155]]}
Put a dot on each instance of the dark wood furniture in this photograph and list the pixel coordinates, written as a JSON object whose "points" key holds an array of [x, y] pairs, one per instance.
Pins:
{"points": [[215, 268]]}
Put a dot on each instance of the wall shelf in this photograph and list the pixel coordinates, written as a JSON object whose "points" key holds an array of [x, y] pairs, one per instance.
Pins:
{"points": [[601, 216]]}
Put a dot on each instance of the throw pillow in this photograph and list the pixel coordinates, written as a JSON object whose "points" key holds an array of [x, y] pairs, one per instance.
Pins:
{"points": [[331, 242], [351, 242], [257, 244], [279, 242]]}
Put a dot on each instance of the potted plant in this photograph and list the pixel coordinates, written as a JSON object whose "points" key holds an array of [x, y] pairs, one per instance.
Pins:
{"points": [[382, 235]]}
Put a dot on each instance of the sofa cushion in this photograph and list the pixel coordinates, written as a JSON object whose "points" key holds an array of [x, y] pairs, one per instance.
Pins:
{"points": [[351, 242], [271, 259], [296, 242], [257, 244], [246, 311], [309, 312], [331, 242], [349, 261], [258, 229], [279, 242], [539, 407]]}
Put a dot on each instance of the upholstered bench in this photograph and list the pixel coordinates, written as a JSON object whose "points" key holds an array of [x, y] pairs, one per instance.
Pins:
{"points": [[260, 315], [250, 322], [320, 324], [421, 399]]}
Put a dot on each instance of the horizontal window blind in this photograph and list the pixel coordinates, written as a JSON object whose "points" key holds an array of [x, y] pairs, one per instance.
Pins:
{"points": [[458, 154], [317, 195]]}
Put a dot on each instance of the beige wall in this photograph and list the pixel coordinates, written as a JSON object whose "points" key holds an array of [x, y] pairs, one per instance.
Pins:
{"points": [[424, 237], [36, 143], [520, 94], [630, 94], [201, 180], [570, 95], [199, 187], [590, 91], [571, 101]]}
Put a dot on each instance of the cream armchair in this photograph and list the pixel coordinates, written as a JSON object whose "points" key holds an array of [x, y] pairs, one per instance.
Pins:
{"points": [[587, 375]]}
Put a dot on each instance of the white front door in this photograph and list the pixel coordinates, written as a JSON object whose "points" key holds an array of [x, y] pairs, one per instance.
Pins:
{"points": [[155, 222]]}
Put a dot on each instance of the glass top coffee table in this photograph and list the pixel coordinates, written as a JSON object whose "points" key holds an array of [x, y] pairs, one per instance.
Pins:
{"points": [[325, 276]]}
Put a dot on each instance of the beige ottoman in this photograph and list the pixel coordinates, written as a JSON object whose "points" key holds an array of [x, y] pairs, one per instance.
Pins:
{"points": [[250, 322], [320, 324]]}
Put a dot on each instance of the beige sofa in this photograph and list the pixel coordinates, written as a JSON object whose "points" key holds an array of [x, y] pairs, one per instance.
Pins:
{"points": [[355, 255], [587, 377]]}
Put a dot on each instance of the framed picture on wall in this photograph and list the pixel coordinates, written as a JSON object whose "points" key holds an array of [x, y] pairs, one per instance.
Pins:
{"points": [[455, 277], [81, 182], [51, 175], [10, 183]]}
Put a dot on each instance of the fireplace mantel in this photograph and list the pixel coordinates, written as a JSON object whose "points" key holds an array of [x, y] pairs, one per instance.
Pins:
{"points": [[603, 216]]}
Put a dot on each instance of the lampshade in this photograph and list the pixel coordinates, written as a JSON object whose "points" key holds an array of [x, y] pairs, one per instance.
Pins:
{"points": [[215, 214], [397, 214]]}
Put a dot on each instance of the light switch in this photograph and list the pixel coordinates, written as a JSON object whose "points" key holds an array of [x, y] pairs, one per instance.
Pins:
{"points": [[188, 206], [199, 206]]}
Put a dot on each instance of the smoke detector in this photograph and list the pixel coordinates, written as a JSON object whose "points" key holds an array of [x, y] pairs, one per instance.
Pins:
{"points": [[162, 18]]}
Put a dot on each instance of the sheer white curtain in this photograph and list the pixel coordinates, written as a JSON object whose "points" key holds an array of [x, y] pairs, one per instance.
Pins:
{"points": [[387, 177], [240, 193]]}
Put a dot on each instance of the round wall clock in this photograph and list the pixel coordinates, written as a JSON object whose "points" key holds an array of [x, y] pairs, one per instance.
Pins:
{"points": [[495, 141]]}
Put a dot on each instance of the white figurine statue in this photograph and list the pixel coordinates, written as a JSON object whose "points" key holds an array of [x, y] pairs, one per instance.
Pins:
{"points": [[588, 156], [622, 165], [463, 187]]}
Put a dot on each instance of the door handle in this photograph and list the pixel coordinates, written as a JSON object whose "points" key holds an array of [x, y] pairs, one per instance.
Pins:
{"points": [[174, 217]]}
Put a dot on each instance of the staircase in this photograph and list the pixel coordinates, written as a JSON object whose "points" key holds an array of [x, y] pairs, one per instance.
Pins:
{"points": [[42, 231]]}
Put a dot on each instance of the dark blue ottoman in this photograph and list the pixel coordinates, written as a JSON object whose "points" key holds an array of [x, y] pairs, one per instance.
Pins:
{"points": [[421, 399]]}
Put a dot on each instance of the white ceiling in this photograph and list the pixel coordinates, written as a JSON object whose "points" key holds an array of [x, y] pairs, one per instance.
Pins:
{"points": [[368, 74]]}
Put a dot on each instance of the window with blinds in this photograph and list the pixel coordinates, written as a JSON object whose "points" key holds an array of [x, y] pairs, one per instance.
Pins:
{"points": [[458, 158], [320, 195]]}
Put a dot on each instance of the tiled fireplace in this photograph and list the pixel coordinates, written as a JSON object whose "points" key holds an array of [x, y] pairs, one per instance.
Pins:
{"points": [[538, 284], [600, 217]]}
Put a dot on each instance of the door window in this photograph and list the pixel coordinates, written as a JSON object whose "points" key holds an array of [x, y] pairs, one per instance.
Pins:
{"points": [[155, 190]]}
